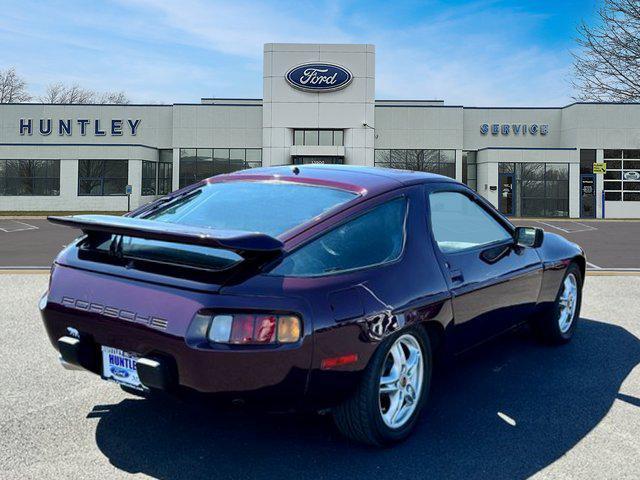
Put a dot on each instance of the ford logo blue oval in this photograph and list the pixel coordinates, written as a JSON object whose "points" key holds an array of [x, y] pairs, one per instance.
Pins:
{"points": [[319, 77], [119, 372]]}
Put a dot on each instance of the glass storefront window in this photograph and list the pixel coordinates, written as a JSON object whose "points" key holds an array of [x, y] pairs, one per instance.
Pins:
{"points": [[30, 177], [165, 171], [470, 169], [318, 137], [587, 159], [201, 163], [311, 137], [540, 190], [149, 175], [442, 162], [325, 137], [102, 177]]}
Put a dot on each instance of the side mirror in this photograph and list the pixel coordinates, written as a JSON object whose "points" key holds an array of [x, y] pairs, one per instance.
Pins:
{"points": [[528, 236]]}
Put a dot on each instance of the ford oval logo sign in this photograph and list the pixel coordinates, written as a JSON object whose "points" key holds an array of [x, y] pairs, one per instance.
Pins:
{"points": [[319, 77], [119, 371], [631, 175]]}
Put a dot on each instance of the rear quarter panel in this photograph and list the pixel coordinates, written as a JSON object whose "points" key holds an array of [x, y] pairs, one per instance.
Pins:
{"points": [[352, 311]]}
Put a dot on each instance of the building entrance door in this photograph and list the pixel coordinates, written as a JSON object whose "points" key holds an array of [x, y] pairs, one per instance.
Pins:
{"points": [[587, 195], [506, 194]]}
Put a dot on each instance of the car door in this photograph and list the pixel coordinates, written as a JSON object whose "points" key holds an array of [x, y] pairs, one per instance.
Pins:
{"points": [[494, 282]]}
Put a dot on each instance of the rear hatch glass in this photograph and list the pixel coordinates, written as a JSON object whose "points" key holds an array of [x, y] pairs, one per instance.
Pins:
{"points": [[267, 207]]}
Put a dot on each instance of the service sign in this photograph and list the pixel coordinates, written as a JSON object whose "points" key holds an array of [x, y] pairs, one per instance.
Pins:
{"points": [[319, 77], [514, 129]]}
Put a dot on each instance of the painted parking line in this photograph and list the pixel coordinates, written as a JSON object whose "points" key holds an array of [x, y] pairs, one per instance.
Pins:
{"points": [[594, 266], [10, 226], [583, 227]]}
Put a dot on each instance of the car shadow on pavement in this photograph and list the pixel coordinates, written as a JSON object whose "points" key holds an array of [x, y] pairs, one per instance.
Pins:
{"points": [[503, 411]]}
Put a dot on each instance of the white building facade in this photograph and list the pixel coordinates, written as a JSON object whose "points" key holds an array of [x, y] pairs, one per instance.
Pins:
{"points": [[319, 106]]}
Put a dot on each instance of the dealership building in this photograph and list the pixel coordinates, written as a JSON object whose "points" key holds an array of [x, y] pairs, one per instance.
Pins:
{"points": [[319, 106]]}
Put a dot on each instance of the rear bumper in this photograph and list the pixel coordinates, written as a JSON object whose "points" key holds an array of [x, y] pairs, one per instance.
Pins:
{"points": [[76, 354], [278, 374]]}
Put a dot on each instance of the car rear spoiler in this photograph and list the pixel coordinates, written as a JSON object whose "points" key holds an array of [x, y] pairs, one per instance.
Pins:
{"points": [[245, 244]]}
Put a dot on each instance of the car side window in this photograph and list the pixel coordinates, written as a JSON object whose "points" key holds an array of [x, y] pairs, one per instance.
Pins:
{"points": [[458, 223], [373, 238]]}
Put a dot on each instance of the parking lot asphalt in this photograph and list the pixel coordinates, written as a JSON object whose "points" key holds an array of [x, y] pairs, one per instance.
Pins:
{"points": [[511, 409], [609, 245], [27, 242]]}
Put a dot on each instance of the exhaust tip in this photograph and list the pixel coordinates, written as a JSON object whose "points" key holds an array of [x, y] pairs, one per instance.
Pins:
{"points": [[69, 366]]}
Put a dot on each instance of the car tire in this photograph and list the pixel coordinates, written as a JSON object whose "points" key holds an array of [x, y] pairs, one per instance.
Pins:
{"points": [[557, 324], [367, 415]]}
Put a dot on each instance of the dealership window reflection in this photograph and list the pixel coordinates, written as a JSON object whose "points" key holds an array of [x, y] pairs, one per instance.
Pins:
{"points": [[200, 163], [442, 162], [470, 168], [323, 138], [541, 189], [30, 177], [149, 177], [165, 171], [102, 177]]}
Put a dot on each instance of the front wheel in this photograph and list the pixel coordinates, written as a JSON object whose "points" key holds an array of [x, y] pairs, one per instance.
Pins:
{"points": [[393, 390], [558, 323]]}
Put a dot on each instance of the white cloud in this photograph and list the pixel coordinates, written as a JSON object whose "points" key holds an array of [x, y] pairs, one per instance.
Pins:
{"points": [[479, 53]]}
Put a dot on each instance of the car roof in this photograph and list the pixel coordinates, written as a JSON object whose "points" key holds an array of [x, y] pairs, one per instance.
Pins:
{"points": [[349, 177]]}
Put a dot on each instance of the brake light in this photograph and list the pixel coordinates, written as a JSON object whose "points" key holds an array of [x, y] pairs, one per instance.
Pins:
{"points": [[265, 329], [241, 329], [249, 329]]}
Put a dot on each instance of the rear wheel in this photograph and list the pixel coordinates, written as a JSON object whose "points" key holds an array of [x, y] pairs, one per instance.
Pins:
{"points": [[558, 324], [393, 390]]}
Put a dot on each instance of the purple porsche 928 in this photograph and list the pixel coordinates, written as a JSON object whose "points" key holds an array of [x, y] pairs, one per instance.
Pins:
{"points": [[314, 287]]}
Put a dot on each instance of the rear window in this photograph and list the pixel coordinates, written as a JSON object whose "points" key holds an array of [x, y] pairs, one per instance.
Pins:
{"points": [[374, 238], [266, 207]]}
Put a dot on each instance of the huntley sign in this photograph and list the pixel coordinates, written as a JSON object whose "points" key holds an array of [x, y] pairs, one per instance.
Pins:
{"points": [[319, 77], [66, 127]]}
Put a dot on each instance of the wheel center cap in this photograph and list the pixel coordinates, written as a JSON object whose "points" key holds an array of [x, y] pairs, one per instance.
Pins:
{"points": [[403, 381]]}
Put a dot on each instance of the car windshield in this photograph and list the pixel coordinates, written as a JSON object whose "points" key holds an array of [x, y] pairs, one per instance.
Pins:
{"points": [[266, 207]]}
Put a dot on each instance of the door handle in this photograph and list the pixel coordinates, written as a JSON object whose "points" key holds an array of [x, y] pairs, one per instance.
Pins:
{"points": [[456, 275]]}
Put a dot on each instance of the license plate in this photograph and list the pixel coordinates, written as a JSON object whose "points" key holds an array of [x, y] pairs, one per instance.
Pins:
{"points": [[120, 367]]}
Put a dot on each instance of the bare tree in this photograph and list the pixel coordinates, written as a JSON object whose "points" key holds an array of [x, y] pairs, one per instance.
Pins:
{"points": [[61, 93], [12, 87], [118, 98], [75, 94], [607, 67]]}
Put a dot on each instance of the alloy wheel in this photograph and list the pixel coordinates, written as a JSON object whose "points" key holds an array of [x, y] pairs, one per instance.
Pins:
{"points": [[568, 303], [401, 381]]}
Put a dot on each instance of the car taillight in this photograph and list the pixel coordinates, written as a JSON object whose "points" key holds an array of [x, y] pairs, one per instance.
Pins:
{"points": [[250, 329]]}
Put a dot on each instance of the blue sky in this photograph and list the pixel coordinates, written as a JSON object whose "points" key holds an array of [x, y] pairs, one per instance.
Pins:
{"points": [[475, 53]]}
